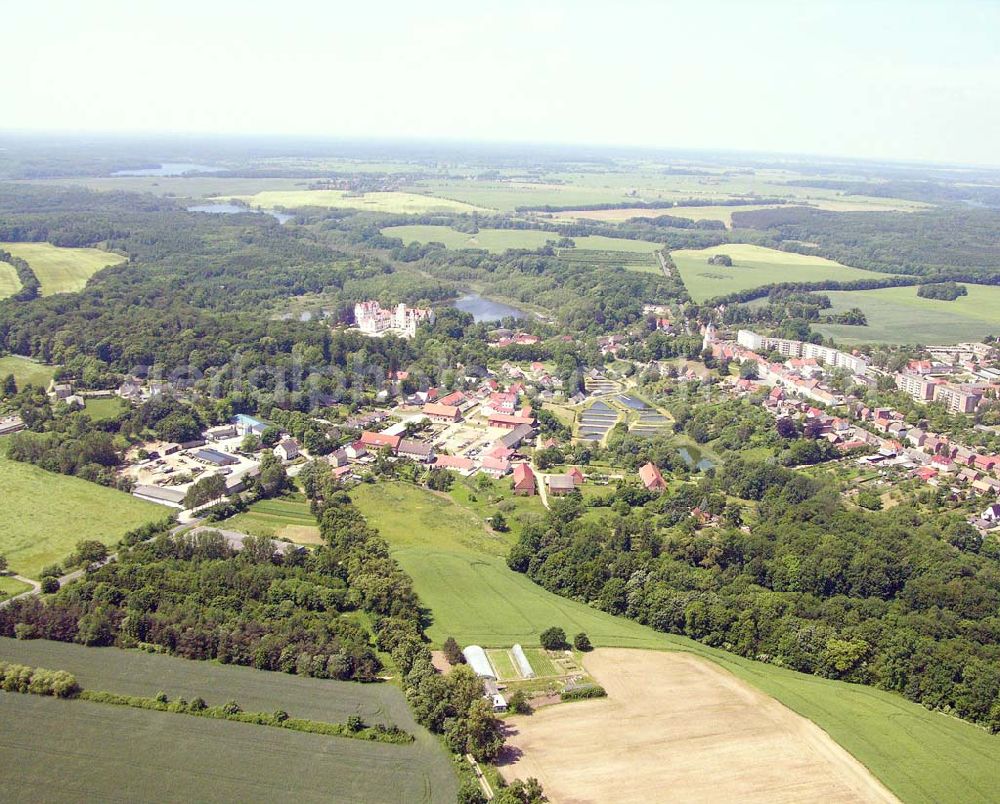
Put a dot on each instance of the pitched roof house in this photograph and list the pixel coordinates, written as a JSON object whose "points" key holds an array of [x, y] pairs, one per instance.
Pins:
{"points": [[651, 478], [524, 479]]}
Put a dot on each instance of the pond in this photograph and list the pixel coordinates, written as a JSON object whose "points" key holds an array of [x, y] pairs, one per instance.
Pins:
{"points": [[168, 169], [236, 209], [702, 464], [483, 309]]}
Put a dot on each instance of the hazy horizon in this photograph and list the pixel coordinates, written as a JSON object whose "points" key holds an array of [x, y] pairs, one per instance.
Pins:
{"points": [[897, 81]]}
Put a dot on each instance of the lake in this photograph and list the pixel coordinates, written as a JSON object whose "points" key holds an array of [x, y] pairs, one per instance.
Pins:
{"points": [[169, 169], [703, 464], [486, 309], [236, 209]]}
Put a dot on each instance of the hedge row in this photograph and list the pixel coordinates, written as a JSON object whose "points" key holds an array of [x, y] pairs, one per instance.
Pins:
{"points": [[354, 728], [583, 693]]}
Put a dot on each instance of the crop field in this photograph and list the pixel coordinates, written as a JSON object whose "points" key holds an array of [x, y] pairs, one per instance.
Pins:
{"points": [[46, 514], [899, 315], [286, 517], [471, 594], [62, 270], [643, 262], [680, 716], [752, 267], [25, 371], [112, 753], [9, 281], [698, 213], [198, 185], [495, 240], [393, 202]]}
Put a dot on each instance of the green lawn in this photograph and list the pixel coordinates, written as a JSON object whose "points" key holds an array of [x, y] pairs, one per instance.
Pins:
{"points": [[103, 408], [25, 371], [81, 751], [62, 270], [287, 517], [503, 664], [392, 202], [9, 281], [752, 267], [920, 755], [12, 586], [44, 515], [899, 315]]}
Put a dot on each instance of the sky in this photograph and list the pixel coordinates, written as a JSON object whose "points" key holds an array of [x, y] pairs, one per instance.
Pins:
{"points": [[896, 79]]}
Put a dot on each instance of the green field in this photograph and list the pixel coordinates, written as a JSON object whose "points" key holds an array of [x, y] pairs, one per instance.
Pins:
{"points": [[106, 407], [76, 750], [899, 315], [392, 202], [25, 371], [9, 281], [754, 266], [645, 262], [62, 270], [287, 517], [45, 515], [495, 240], [459, 573]]}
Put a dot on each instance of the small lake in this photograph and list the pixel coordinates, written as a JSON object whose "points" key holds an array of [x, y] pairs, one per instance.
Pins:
{"points": [[168, 169], [486, 309], [702, 464], [236, 209]]}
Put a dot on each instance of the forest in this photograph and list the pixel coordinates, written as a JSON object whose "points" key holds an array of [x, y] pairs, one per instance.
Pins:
{"points": [[897, 599]]}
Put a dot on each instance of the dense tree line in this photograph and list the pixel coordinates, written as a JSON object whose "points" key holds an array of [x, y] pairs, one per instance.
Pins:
{"points": [[944, 291], [30, 286]]}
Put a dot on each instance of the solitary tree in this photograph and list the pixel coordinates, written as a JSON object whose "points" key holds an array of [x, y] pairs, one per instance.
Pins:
{"points": [[452, 652], [553, 638], [582, 642]]}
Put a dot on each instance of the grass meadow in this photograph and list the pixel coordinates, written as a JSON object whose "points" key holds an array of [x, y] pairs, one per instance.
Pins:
{"points": [[12, 586], [392, 202], [62, 270], [9, 281], [899, 315], [286, 517], [752, 267], [45, 514], [105, 753], [25, 371], [460, 575]]}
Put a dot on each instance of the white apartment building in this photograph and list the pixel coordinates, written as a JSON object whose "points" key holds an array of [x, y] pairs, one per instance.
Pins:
{"points": [[920, 388], [786, 348]]}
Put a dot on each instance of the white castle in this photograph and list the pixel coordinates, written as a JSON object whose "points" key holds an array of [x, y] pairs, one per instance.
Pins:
{"points": [[373, 321]]}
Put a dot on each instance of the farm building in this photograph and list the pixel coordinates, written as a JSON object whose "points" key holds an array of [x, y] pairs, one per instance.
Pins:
{"points": [[171, 497], [513, 439], [417, 450], [521, 662], [248, 425], [221, 432], [437, 412], [214, 457], [524, 480], [456, 462], [560, 484], [477, 659], [379, 440]]}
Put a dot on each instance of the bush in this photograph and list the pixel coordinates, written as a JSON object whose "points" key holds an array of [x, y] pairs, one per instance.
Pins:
{"points": [[518, 703], [50, 585], [584, 693], [582, 642], [553, 638], [355, 723]]}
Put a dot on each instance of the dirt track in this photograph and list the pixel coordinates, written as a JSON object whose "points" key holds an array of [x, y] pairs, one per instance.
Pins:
{"points": [[678, 728]]}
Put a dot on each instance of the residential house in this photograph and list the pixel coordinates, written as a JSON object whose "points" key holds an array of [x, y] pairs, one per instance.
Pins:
{"points": [[651, 478], [356, 450], [441, 413], [494, 467], [379, 441], [287, 449], [416, 450], [456, 462], [559, 484]]}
